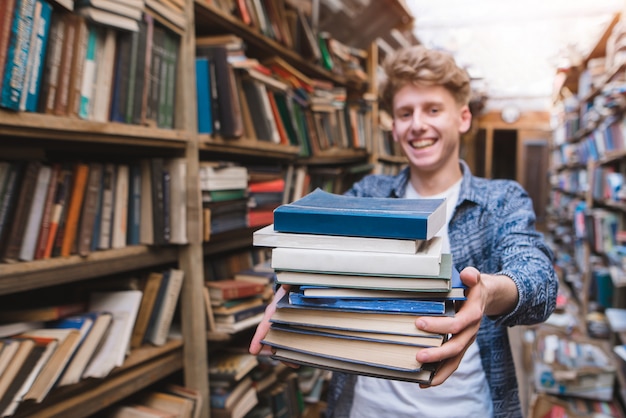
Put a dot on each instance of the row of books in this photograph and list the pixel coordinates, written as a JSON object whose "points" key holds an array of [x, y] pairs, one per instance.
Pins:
{"points": [[245, 385], [168, 400], [361, 270], [59, 209], [273, 102], [75, 64], [291, 25], [44, 347]]}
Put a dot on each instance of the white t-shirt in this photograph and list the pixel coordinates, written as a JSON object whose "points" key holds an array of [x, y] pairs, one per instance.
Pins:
{"points": [[464, 394]]}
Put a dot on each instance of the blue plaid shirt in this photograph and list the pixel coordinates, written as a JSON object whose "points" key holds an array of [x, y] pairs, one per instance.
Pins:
{"points": [[493, 230]]}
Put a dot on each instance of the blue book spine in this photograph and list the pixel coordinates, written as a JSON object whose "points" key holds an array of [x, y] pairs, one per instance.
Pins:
{"points": [[422, 307], [320, 212], [33, 85], [17, 54], [134, 205], [203, 87]]}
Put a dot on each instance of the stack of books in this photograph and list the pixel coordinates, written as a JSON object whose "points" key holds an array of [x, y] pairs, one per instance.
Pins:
{"points": [[361, 271]]}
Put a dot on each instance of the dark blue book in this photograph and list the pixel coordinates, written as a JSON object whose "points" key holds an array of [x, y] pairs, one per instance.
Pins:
{"points": [[134, 205], [413, 306], [321, 212], [203, 90]]}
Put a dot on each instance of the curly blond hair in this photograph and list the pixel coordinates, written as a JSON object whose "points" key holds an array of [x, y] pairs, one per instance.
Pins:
{"points": [[422, 66]]}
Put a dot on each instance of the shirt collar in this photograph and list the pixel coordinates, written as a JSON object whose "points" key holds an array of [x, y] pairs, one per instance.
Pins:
{"points": [[466, 192]]}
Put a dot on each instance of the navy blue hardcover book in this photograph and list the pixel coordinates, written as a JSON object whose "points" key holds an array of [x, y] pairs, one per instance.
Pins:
{"points": [[321, 212], [401, 306]]}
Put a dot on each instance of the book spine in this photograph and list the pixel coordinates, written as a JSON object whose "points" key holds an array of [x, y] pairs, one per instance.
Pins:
{"points": [[63, 89], [89, 74], [50, 80], [17, 54], [108, 199], [89, 209], [167, 198], [134, 205], [203, 92], [27, 250], [58, 210], [121, 83], [104, 75], [5, 34], [41, 47], [9, 198], [30, 55], [74, 207], [120, 211], [136, 105], [156, 166], [78, 66], [168, 308]]}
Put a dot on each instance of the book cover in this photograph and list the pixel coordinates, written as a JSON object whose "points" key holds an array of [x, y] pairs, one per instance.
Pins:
{"points": [[269, 237], [120, 207], [36, 59], [203, 91], [87, 348], [107, 205], [69, 339], [377, 322], [372, 353], [91, 205], [231, 366], [228, 289], [35, 215], [148, 300], [157, 335], [177, 168], [46, 217], [424, 376], [146, 223], [13, 83], [24, 348], [321, 212], [420, 307], [61, 199], [81, 172]]}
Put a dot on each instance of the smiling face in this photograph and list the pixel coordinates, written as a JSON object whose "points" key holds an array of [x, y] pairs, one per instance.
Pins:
{"points": [[428, 123]]}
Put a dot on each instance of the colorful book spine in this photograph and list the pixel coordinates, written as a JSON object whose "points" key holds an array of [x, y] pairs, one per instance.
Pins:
{"points": [[17, 55]]}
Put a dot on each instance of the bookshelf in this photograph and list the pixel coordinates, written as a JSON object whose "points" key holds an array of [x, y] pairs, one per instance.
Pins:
{"points": [[585, 214], [30, 135]]}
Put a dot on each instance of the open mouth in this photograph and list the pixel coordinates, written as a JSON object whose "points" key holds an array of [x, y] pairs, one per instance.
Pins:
{"points": [[421, 143]]}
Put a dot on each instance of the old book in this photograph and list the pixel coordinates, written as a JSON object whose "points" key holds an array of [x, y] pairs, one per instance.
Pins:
{"points": [[105, 57], [35, 214], [87, 349], [424, 376], [20, 212], [81, 172], [5, 34], [321, 212], [166, 308], [59, 208], [439, 283], [219, 176], [46, 216], [146, 223], [120, 207], [69, 339], [235, 327], [107, 206], [123, 305], [426, 264], [24, 347], [376, 322], [107, 18], [139, 411], [148, 300], [90, 208], [41, 313], [395, 357], [177, 168], [227, 289], [231, 366], [77, 68], [269, 237], [246, 402], [187, 393], [182, 406]]}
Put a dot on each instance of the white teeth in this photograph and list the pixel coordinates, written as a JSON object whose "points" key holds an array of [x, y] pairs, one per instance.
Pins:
{"points": [[422, 143]]}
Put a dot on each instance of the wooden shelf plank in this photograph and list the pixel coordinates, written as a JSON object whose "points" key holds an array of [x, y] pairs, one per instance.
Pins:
{"points": [[50, 127], [41, 273], [142, 368], [336, 156], [247, 147]]}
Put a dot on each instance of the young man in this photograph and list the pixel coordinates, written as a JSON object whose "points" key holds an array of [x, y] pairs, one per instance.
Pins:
{"points": [[490, 233]]}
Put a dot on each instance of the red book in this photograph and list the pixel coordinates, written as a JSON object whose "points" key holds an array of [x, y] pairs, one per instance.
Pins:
{"points": [[277, 185], [221, 290]]}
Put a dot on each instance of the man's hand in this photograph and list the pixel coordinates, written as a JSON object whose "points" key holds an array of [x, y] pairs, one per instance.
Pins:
{"points": [[486, 295]]}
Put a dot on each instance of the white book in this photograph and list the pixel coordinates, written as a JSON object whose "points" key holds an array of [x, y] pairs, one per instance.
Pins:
{"points": [[426, 263], [105, 57], [215, 177], [123, 305], [27, 250], [268, 237], [157, 335], [177, 168], [120, 207], [109, 19]]}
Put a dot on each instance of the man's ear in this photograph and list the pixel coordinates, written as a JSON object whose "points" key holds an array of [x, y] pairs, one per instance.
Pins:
{"points": [[466, 119]]}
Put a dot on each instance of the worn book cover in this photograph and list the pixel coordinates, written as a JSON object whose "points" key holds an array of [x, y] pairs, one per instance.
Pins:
{"points": [[321, 212]]}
